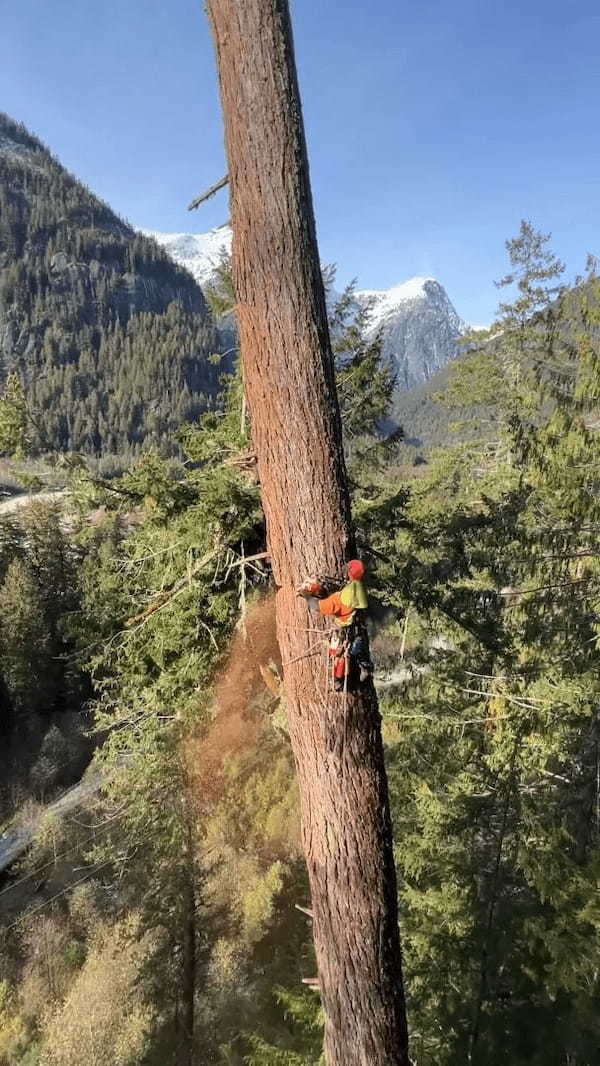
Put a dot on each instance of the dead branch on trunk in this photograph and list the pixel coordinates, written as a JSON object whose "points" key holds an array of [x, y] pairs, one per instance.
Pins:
{"points": [[209, 192]]}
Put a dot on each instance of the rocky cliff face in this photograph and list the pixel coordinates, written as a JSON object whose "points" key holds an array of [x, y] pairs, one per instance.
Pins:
{"points": [[419, 328]]}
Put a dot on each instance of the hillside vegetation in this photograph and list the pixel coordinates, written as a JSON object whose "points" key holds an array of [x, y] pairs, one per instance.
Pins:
{"points": [[169, 905], [110, 339]]}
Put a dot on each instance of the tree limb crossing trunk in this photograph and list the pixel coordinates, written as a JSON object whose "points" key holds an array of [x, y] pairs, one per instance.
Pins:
{"points": [[290, 387]]}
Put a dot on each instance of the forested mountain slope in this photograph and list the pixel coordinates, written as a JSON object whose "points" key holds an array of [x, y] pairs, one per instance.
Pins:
{"points": [[110, 338], [425, 422]]}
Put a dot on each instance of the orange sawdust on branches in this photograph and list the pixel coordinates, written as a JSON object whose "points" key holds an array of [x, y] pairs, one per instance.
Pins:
{"points": [[241, 693]]}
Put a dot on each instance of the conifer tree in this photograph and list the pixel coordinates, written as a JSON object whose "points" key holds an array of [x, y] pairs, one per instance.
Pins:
{"points": [[13, 418], [296, 432], [495, 770]]}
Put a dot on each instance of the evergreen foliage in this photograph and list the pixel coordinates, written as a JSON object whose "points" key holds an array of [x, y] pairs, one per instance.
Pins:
{"points": [[487, 566], [494, 764], [38, 595], [13, 418], [42, 684]]}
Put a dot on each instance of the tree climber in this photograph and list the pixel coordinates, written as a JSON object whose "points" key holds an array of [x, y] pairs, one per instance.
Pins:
{"points": [[348, 644]]}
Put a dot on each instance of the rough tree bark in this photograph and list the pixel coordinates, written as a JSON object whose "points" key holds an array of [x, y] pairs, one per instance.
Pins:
{"points": [[297, 436]]}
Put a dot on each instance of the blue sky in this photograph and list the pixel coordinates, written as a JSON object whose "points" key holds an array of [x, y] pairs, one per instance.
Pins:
{"points": [[433, 127]]}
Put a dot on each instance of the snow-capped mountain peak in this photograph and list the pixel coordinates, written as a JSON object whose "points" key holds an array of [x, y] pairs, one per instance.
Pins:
{"points": [[385, 302], [419, 326]]}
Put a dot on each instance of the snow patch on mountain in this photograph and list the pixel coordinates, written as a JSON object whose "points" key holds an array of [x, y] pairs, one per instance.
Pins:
{"points": [[9, 147], [385, 301], [199, 253]]}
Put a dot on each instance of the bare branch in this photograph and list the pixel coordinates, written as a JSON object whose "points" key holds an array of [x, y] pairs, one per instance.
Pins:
{"points": [[209, 192]]}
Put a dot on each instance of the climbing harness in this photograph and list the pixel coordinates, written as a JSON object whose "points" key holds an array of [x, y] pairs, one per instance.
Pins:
{"points": [[349, 663], [349, 655]]}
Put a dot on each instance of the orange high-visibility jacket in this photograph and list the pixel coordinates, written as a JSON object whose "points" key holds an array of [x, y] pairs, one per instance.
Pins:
{"points": [[344, 605]]}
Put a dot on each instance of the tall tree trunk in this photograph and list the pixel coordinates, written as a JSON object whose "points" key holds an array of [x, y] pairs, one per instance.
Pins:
{"points": [[297, 436]]}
